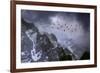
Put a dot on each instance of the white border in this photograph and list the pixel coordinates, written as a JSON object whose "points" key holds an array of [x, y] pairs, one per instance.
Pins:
{"points": [[20, 65]]}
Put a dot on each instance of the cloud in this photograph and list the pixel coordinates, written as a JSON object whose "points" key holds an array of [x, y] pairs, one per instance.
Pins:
{"points": [[66, 26]]}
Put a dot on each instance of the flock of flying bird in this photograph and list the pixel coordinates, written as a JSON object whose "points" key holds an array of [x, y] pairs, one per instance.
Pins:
{"points": [[65, 27]]}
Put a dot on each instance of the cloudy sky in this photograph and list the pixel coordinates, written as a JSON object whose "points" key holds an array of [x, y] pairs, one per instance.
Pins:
{"points": [[65, 25]]}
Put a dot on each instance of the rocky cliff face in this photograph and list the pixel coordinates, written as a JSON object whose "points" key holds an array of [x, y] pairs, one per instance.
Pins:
{"points": [[41, 47]]}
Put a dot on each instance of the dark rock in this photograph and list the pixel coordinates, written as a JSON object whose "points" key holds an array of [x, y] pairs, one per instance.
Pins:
{"points": [[63, 55], [85, 56], [43, 42], [28, 26]]}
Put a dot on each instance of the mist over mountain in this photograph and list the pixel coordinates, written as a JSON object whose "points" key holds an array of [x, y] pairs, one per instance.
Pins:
{"points": [[54, 36]]}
